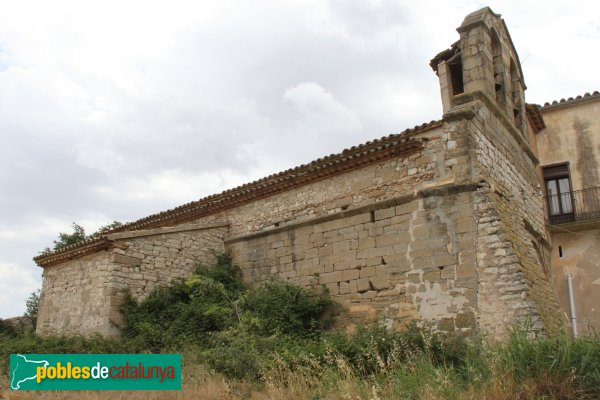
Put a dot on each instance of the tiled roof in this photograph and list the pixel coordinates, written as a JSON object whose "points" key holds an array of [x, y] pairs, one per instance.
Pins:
{"points": [[570, 100], [354, 157], [73, 251], [453, 53], [533, 112]]}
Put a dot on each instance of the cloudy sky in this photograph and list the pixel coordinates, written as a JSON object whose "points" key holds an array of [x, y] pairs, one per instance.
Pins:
{"points": [[113, 110]]}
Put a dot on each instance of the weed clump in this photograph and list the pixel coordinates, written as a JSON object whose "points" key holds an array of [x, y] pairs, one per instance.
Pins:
{"points": [[233, 325]]}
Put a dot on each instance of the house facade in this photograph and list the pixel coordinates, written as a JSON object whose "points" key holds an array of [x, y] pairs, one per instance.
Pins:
{"points": [[445, 223], [569, 149]]}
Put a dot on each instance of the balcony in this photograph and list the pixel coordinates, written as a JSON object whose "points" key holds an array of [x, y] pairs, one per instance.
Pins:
{"points": [[576, 206]]}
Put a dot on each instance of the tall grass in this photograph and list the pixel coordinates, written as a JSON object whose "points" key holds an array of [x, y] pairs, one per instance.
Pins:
{"points": [[415, 365]]}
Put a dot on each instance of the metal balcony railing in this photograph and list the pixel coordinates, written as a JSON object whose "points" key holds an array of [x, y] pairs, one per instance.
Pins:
{"points": [[575, 206]]}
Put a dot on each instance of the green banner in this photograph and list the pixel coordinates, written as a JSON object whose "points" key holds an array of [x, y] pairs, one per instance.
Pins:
{"points": [[95, 371]]}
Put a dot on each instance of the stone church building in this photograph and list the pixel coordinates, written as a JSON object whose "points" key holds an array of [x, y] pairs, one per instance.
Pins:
{"points": [[445, 223]]}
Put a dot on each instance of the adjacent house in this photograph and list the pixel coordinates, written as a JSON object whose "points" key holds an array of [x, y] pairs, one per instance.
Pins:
{"points": [[568, 142]]}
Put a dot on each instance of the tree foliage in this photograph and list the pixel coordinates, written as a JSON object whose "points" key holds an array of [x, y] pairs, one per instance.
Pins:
{"points": [[32, 304], [106, 228], [67, 239], [78, 235]]}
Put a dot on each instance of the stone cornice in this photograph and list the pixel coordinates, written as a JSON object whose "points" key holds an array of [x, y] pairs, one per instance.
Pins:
{"points": [[72, 252], [163, 231], [108, 241], [355, 157]]}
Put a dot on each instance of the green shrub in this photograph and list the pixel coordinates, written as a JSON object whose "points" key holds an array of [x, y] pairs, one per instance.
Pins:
{"points": [[32, 305], [224, 272], [213, 309], [186, 310], [280, 308], [7, 330]]}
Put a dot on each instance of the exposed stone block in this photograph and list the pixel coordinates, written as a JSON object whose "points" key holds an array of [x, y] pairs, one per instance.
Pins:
{"points": [[341, 246], [465, 320], [367, 272], [379, 282], [325, 251], [350, 274], [344, 288], [385, 213], [386, 240], [126, 260], [333, 288], [329, 277], [362, 285], [366, 243], [352, 286], [373, 260], [448, 272]]}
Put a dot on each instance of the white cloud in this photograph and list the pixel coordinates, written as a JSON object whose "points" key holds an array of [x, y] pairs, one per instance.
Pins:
{"points": [[173, 186], [364, 25], [32, 227], [320, 111], [16, 284]]}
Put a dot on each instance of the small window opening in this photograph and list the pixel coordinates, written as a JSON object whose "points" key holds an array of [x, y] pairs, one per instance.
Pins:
{"points": [[456, 77], [498, 69], [372, 216], [560, 254], [516, 94]]}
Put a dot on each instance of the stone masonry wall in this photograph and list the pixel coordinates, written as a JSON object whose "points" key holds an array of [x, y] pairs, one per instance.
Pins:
{"points": [[511, 239], [514, 286], [74, 296], [82, 296], [398, 260]]}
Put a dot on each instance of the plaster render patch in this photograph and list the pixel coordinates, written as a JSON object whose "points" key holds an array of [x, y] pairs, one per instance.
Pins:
{"points": [[436, 302]]}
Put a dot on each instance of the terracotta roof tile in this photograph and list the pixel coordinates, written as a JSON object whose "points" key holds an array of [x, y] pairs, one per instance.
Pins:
{"points": [[533, 112], [570, 100]]}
